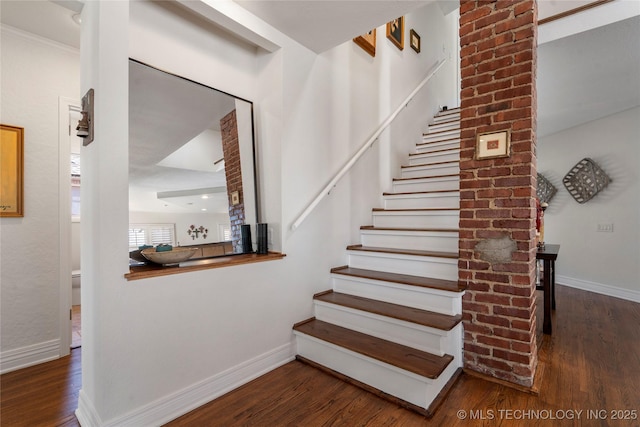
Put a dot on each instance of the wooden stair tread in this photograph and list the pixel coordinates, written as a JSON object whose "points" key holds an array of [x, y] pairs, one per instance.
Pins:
{"points": [[421, 192], [440, 131], [445, 150], [452, 255], [433, 142], [453, 175], [437, 230], [448, 119], [419, 362], [451, 110], [403, 279], [395, 311], [421, 165]]}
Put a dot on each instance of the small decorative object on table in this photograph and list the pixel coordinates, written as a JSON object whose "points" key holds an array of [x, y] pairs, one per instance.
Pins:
{"points": [[585, 180]]}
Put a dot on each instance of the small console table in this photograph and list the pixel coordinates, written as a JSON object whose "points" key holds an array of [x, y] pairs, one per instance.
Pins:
{"points": [[548, 254]]}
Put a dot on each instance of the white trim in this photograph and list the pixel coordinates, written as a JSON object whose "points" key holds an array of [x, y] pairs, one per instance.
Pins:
{"points": [[86, 412], [586, 20], [36, 38], [179, 403], [12, 360], [599, 288], [64, 199]]}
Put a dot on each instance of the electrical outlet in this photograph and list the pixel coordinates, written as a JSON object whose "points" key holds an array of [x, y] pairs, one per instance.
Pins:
{"points": [[605, 228]]}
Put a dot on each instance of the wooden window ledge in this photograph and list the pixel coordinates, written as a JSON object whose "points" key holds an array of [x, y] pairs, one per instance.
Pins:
{"points": [[146, 271]]}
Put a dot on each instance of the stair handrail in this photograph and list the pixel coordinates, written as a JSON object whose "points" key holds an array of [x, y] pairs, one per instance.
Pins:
{"points": [[368, 144]]}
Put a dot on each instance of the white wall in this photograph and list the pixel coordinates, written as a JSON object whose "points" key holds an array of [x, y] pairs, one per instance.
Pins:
{"points": [[35, 72], [597, 261]]}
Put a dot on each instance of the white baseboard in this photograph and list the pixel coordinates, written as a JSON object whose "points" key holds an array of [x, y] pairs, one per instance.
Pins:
{"points": [[30, 355], [179, 403], [86, 412], [599, 288]]}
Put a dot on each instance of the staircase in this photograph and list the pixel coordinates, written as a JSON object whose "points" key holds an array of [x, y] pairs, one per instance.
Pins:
{"points": [[392, 322]]}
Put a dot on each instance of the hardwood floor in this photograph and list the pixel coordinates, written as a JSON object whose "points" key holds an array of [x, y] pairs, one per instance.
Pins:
{"points": [[592, 363], [42, 395]]}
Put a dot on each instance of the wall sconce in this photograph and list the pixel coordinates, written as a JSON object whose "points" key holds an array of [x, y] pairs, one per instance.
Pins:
{"points": [[85, 125]]}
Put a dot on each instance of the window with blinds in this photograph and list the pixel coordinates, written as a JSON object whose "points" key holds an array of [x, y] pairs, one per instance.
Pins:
{"points": [[151, 234], [224, 232]]}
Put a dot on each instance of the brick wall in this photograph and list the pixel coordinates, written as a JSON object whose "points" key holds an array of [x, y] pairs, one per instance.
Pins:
{"points": [[497, 196], [233, 172]]}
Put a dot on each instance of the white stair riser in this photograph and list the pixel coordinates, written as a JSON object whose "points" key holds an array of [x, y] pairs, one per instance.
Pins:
{"points": [[432, 170], [416, 240], [423, 338], [437, 136], [445, 156], [448, 125], [440, 145], [446, 118], [436, 300], [423, 200], [434, 267], [433, 184], [411, 219], [407, 386]]}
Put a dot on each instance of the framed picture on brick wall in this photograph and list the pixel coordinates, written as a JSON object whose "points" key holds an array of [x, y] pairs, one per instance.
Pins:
{"points": [[493, 145]]}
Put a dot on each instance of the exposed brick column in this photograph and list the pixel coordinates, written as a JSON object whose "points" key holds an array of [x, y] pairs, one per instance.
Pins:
{"points": [[497, 196], [231, 151]]}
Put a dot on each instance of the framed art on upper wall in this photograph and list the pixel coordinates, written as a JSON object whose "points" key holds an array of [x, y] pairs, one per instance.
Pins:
{"points": [[11, 171], [367, 42], [395, 32], [414, 40]]}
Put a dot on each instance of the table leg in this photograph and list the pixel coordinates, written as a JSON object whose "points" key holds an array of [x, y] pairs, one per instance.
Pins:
{"points": [[546, 324], [553, 285]]}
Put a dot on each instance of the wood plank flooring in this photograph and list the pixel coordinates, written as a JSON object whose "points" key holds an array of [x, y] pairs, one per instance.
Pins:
{"points": [[592, 363]]}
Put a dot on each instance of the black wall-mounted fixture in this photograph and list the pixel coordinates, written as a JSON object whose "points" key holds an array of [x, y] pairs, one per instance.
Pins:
{"points": [[85, 125]]}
